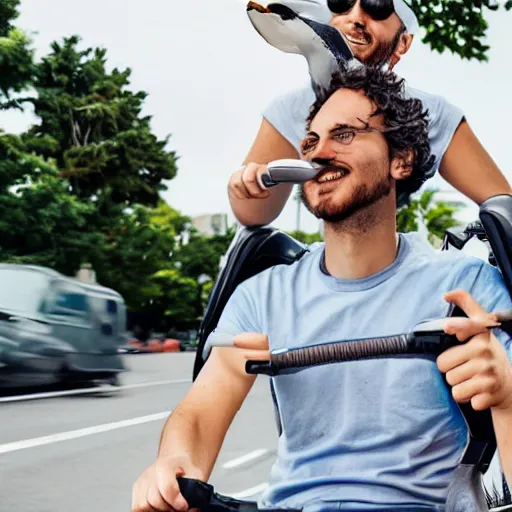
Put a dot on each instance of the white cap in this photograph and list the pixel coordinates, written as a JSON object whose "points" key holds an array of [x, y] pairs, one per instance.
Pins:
{"points": [[406, 14], [317, 10]]}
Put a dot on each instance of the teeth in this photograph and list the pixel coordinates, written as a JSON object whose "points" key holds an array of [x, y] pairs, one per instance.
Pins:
{"points": [[356, 41], [330, 176]]}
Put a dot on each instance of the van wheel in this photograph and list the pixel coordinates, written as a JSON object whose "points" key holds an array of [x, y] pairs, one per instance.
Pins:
{"points": [[114, 380], [63, 376]]}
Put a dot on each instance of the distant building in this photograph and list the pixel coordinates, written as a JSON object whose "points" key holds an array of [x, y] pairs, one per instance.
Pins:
{"points": [[211, 224]]}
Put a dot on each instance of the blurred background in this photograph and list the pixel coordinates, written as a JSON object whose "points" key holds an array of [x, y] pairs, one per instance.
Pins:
{"points": [[120, 125]]}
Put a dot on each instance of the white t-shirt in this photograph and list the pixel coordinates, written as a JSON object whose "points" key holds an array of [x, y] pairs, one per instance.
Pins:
{"points": [[287, 114]]}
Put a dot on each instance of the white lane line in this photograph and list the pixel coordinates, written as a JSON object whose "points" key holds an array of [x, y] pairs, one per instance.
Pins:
{"points": [[82, 432], [247, 493], [89, 391], [248, 457]]}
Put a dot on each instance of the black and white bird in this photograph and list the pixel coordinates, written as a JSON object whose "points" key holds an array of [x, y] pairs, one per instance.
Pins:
{"points": [[325, 48]]}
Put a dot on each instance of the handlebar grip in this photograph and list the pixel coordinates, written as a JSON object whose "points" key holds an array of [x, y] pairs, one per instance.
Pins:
{"points": [[197, 494], [428, 339], [292, 360], [201, 495]]}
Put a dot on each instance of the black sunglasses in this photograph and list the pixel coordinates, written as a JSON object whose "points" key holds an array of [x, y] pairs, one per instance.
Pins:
{"points": [[379, 10]]}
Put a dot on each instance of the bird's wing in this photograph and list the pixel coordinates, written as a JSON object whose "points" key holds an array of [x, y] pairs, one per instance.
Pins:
{"points": [[324, 47]]}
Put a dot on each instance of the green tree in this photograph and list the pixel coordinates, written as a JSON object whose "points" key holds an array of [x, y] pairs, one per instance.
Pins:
{"points": [[83, 184], [136, 245], [195, 256], [306, 238], [437, 216], [43, 225], [40, 223], [456, 25], [92, 125], [175, 301], [202, 254], [16, 55]]}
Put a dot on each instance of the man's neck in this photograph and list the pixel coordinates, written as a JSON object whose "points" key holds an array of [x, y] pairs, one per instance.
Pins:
{"points": [[362, 245]]}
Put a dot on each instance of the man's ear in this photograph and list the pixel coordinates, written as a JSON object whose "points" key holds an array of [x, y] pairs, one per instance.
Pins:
{"points": [[402, 48], [402, 165]]}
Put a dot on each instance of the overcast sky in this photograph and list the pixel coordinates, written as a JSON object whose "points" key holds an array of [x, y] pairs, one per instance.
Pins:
{"points": [[209, 75]]}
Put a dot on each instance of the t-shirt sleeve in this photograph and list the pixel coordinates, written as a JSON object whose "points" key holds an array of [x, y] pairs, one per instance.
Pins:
{"points": [[444, 119], [288, 112], [490, 291], [239, 314]]}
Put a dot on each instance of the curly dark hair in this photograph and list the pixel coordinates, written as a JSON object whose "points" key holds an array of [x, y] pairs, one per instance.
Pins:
{"points": [[405, 119]]}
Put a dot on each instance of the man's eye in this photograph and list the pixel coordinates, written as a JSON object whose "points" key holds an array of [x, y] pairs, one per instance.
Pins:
{"points": [[308, 145], [344, 136]]}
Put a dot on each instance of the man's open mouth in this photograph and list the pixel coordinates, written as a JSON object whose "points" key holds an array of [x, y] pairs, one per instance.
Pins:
{"points": [[332, 175], [359, 40]]}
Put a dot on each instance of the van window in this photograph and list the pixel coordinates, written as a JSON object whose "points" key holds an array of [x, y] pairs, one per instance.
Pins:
{"points": [[22, 290], [69, 303], [111, 307], [74, 302]]}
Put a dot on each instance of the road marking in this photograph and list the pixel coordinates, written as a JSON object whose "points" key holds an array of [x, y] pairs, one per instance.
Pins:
{"points": [[249, 492], [89, 391], [248, 457], [82, 432]]}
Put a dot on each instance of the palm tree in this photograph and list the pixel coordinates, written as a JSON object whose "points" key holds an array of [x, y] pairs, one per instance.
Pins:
{"points": [[436, 216]]}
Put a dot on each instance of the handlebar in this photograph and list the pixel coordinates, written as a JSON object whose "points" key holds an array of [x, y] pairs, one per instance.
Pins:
{"points": [[427, 338]]}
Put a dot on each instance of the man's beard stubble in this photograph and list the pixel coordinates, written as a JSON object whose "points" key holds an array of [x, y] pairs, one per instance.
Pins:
{"points": [[384, 51], [356, 210]]}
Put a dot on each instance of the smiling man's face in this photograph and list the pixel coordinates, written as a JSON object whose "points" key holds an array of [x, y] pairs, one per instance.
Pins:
{"points": [[372, 41], [347, 141]]}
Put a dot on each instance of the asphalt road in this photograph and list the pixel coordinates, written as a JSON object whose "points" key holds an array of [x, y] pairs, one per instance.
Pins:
{"points": [[82, 452]]}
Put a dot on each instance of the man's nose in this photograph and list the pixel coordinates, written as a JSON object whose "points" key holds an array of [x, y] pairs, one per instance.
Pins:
{"points": [[324, 151], [357, 16]]}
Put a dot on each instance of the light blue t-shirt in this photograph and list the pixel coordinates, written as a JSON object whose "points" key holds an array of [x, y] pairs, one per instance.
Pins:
{"points": [[287, 114], [367, 435]]}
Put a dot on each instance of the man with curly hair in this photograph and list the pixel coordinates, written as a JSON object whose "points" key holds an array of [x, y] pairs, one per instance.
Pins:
{"points": [[379, 32], [383, 434]]}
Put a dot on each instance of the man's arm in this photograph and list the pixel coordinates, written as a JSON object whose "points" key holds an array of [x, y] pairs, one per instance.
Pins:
{"points": [[256, 211], [197, 427], [468, 167], [193, 435]]}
